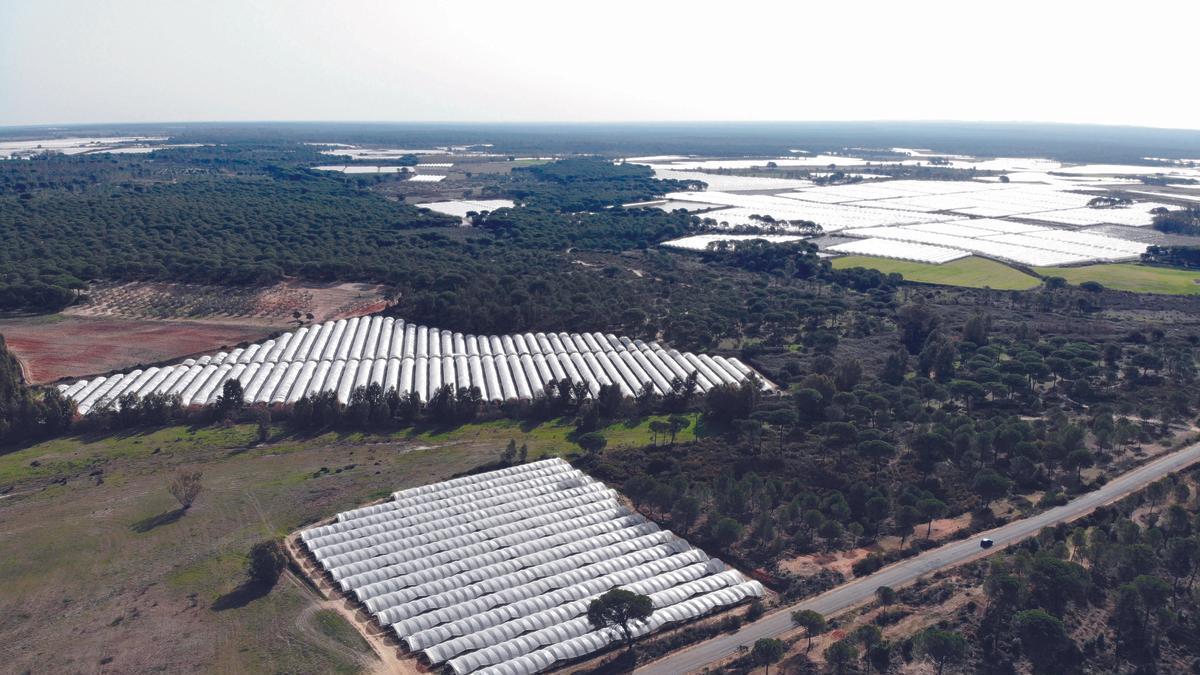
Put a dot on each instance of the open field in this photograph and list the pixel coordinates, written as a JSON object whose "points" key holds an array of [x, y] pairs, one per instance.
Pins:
{"points": [[1131, 277], [54, 347], [109, 576], [973, 272], [267, 306]]}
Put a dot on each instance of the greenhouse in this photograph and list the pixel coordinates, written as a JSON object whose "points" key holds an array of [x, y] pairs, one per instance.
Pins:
{"points": [[493, 572], [341, 356]]}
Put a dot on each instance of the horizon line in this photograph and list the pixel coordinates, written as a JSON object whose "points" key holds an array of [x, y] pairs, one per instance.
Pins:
{"points": [[646, 122]]}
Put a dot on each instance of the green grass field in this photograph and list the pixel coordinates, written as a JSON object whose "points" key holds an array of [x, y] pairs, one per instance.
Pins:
{"points": [[555, 437], [79, 454], [1131, 277], [970, 272]]}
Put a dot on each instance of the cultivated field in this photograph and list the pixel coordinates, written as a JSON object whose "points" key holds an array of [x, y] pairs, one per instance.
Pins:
{"points": [[55, 347], [270, 306], [970, 272], [1131, 277]]}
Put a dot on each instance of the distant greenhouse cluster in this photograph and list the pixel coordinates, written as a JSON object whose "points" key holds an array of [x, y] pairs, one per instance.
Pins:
{"points": [[493, 573], [341, 356]]}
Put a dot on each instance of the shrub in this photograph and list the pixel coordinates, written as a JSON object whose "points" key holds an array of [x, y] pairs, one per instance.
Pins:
{"points": [[185, 487], [867, 565]]}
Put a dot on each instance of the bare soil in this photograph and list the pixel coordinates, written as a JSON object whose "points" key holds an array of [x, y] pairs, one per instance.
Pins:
{"points": [[73, 347], [843, 561]]}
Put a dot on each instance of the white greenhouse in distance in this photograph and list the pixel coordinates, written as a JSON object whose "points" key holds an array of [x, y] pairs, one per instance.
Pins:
{"points": [[341, 356], [701, 242], [460, 208], [493, 573]]}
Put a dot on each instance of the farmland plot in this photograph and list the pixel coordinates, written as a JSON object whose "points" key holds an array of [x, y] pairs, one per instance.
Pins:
{"points": [[341, 357], [816, 161], [721, 182], [493, 573], [273, 306], [362, 169], [831, 217], [52, 348], [127, 324], [1029, 246]]}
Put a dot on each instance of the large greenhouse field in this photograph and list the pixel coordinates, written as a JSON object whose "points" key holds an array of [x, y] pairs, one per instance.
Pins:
{"points": [[493, 572], [972, 272]]}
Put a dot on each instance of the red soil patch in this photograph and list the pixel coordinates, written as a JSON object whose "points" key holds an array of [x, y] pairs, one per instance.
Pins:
{"points": [[76, 347]]}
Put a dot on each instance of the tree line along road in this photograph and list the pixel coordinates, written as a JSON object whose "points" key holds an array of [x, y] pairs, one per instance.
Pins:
{"points": [[906, 571]]}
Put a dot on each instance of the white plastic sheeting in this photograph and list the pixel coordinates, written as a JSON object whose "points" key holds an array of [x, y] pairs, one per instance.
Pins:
{"points": [[341, 356], [493, 572]]}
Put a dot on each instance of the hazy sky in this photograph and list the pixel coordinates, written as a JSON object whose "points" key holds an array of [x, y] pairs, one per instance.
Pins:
{"points": [[64, 61]]}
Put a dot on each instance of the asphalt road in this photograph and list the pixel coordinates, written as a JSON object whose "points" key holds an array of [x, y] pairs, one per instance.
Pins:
{"points": [[860, 590]]}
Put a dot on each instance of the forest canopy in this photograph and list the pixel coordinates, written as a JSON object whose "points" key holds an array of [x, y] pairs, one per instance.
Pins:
{"points": [[66, 222]]}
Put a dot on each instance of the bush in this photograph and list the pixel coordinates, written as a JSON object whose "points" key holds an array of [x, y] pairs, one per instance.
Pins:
{"points": [[867, 565], [755, 611], [185, 487]]}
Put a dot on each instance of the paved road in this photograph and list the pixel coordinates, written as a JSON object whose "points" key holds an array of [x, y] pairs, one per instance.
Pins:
{"points": [[956, 553]]}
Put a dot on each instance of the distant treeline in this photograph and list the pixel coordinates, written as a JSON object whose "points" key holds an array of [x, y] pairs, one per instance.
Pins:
{"points": [[588, 185], [1083, 143], [1176, 256], [1184, 221]]}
